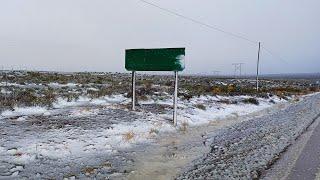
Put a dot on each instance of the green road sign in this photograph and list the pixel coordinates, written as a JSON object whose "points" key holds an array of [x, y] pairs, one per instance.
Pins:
{"points": [[167, 59]]}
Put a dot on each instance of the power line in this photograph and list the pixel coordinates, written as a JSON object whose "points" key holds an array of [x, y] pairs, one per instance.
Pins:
{"points": [[199, 22], [211, 27], [274, 55]]}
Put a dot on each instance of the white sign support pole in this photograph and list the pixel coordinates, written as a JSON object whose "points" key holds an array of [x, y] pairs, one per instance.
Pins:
{"points": [[175, 98], [133, 90]]}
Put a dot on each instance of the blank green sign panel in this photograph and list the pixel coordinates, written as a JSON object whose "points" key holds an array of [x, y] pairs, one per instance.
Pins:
{"points": [[168, 59]]}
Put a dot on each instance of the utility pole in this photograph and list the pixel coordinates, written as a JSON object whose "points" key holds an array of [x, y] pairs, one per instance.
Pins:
{"points": [[258, 61]]}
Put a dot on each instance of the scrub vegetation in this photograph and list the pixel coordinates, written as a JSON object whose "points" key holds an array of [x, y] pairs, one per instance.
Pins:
{"points": [[20, 88]]}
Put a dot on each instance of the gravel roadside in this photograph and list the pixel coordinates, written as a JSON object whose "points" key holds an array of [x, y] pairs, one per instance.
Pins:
{"points": [[244, 150]]}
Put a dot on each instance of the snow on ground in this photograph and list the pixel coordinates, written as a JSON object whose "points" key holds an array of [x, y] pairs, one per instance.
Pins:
{"points": [[25, 111], [63, 103], [58, 85], [3, 91], [106, 100], [214, 110], [187, 112], [91, 126], [10, 84]]}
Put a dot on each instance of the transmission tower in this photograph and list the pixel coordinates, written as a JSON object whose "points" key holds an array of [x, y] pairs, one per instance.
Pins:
{"points": [[216, 73], [237, 69]]}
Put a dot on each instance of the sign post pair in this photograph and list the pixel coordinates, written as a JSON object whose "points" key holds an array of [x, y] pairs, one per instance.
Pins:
{"points": [[165, 59]]}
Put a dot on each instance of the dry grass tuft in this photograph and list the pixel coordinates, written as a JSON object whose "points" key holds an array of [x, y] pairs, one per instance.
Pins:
{"points": [[89, 170], [184, 126], [106, 165], [128, 136]]}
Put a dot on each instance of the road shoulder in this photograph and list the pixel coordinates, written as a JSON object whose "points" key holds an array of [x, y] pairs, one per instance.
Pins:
{"points": [[284, 167]]}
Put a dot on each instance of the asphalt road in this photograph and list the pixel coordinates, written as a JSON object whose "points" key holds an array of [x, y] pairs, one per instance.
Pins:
{"points": [[308, 163]]}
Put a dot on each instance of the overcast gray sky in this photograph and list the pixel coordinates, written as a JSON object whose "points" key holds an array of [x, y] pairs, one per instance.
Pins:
{"points": [[92, 35]]}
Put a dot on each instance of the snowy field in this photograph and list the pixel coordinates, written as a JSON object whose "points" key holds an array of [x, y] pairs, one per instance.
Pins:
{"points": [[46, 133], [75, 132]]}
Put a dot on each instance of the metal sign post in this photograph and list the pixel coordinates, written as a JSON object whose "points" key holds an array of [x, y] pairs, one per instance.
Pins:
{"points": [[165, 59], [175, 98], [133, 90]]}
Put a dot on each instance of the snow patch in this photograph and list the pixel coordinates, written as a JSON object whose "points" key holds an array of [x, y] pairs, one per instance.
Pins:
{"points": [[25, 111], [58, 85], [181, 60], [84, 112]]}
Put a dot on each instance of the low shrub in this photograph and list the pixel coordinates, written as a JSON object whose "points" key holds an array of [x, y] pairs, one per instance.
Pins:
{"points": [[272, 101], [154, 131], [201, 106], [185, 96], [251, 101], [227, 101]]}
